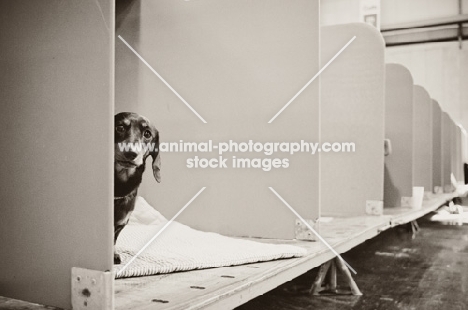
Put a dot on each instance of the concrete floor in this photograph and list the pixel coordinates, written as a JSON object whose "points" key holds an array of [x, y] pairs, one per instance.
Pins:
{"points": [[394, 272]]}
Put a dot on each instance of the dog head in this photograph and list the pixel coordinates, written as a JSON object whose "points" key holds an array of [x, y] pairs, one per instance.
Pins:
{"points": [[135, 138]]}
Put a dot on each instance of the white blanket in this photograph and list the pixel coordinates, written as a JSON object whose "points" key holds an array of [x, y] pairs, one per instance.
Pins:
{"points": [[181, 248]]}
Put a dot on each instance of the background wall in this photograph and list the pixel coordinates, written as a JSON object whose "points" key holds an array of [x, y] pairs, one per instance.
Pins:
{"points": [[392, 11], [441, 68], [334, 12], [57, 105], [403, 11]]}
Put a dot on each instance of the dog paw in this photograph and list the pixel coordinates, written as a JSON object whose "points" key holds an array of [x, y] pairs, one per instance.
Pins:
{"points": [[117, 259]]}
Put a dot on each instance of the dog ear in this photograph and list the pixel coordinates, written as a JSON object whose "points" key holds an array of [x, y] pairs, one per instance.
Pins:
{"points": [[156, 159]]}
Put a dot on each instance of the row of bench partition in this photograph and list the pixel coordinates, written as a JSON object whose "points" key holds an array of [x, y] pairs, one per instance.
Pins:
{"points": [[366, 101], [237, 63], [427, 144], [237, 84], [362, 100], [237, 68], [358, 99]]}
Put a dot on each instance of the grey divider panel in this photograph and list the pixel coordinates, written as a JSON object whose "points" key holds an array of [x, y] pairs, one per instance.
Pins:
{"points": [[422, 139], [399, 129], [458, 150], [463, 152], [436, 145], [56, 141], [453, 149], [459, 155], [446, 160], [237, 63], [352, 110]]}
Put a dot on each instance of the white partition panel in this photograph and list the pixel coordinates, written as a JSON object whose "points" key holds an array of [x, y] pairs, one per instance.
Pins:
{"points": [[399, 129], [436, 146], [464, 152], [446, 150], [453, 149], [352, 110], [57, 142], [237, 63], [459, 150], [422, 139], [457, 165]]}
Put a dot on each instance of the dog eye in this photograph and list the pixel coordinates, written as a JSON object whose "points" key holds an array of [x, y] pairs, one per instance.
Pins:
{"points": [[147, 134], [120, 129]]}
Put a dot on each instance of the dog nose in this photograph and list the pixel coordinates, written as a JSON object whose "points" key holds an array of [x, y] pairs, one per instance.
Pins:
{"points": [[131, 155]]}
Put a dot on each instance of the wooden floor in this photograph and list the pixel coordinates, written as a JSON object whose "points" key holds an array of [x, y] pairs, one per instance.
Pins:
{"points": [[230, 287]]}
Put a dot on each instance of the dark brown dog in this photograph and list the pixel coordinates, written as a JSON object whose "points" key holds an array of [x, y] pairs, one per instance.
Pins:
{"points": [[134, 140]]}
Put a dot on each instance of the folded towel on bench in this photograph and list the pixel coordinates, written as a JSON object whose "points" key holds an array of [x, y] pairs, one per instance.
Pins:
{"points": [[181, 248]]}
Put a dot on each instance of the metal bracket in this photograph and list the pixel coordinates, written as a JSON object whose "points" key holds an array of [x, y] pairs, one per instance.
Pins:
{"points": [[448, 188], [92, 289], [428, 195], [374, 207], [302, 232], [387, 147], [407, 202]]}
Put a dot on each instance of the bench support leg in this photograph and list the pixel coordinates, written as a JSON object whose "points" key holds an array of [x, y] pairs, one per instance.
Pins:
{"points": [[322, 273], [414, 228], [330, 269], [344, 269], [331, 285]]}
